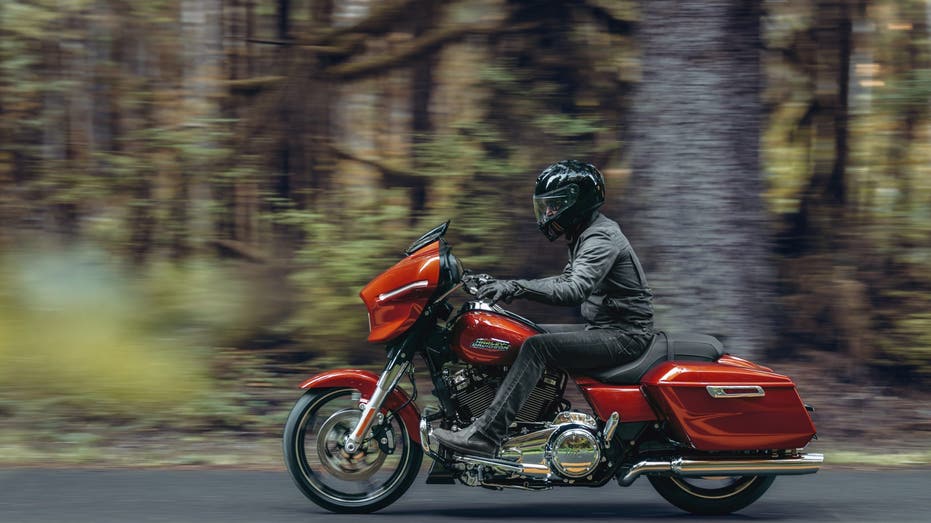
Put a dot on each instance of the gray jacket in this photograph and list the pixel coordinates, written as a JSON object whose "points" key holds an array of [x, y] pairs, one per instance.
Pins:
{"points": [[604, 276]]}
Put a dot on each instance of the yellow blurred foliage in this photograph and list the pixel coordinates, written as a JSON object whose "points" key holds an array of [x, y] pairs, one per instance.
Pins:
{"points": [[89, 351]]}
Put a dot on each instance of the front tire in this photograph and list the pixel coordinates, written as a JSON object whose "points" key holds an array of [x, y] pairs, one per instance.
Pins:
{"points": [[366, 481], [711, 496]]}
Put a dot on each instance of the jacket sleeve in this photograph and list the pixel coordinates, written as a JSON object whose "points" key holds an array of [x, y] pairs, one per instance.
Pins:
{"points": [[595, 257]]}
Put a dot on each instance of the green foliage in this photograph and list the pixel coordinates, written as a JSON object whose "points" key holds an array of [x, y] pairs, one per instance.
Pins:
{"points": [[885, 236], [475, 189], [908, 343], [72, 329], [83, 338], [205, 299], [343, 250]]}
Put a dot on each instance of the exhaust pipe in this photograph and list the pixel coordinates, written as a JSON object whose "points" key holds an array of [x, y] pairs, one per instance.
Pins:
{"points": [[511, 467], [804, 464]]}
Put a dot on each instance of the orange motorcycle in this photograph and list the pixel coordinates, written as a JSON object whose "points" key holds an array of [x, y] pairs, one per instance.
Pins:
{"points": [[709, 430]]}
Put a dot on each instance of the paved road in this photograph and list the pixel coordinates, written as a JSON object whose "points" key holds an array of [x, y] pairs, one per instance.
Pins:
{"points": [[131, 496]]}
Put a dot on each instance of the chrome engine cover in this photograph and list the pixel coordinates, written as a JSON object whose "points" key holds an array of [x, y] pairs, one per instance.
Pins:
{"points": [[570, 447], [581, 418], [575, 453]]}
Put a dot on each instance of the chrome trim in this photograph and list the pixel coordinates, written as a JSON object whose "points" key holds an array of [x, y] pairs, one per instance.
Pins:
{"points": [[530, 448], [494, 344], [425, 436], [386, 383], [576, 453], [803, 464], [401, 290], [483, 306], [610, 427], [644, 467], [571, 446], [506, 466], [579, 418], [487, 307], [735, 391]]}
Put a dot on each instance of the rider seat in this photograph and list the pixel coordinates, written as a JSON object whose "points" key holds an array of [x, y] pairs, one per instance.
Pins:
{"points": [[664, 347]]}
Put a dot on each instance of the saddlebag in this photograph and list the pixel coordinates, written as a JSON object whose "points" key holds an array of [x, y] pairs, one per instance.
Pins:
{"points": [[719, 407]]}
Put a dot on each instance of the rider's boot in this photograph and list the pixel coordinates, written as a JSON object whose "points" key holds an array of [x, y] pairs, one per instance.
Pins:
{"points": [[468, 441]]}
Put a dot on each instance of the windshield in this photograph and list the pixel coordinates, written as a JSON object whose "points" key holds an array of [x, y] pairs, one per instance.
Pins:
{"points": [[431, 236]]}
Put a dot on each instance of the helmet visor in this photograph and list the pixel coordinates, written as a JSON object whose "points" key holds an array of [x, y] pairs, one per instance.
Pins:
{"points": [[548, 206]]}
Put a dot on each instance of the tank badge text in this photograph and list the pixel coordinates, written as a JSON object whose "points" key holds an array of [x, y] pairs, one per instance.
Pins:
{"points": [[491, 344]]}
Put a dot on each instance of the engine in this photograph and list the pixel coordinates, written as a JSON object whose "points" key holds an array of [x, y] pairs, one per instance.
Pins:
{"points": [[472, 389]]}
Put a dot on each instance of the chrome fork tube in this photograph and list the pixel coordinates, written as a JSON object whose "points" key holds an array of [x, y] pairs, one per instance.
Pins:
{"points": [[386, 383]]}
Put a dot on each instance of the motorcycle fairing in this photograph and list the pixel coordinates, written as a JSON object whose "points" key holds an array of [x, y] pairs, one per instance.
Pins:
{"points": [[397, 297], [365, 381]]}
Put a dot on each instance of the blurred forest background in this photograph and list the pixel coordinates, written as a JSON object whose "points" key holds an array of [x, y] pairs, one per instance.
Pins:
{"points": [[192, 193]]}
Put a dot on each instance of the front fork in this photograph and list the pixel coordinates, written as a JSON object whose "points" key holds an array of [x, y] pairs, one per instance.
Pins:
{"points": [[398, 363]]}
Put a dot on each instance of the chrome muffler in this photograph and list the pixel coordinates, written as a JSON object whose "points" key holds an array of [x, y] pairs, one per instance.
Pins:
{"points": [[803, 464]]}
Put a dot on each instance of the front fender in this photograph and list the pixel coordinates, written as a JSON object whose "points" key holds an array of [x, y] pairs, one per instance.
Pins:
{"points": [[365, 382]]}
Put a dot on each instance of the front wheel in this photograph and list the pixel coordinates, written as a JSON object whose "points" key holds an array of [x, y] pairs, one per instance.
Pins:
{"points": [[373, 477], [711, 495]]}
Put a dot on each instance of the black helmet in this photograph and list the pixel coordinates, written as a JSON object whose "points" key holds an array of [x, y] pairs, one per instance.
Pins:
{"points": [[566, 194]]}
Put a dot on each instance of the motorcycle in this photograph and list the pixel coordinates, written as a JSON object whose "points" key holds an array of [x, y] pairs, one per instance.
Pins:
{"points": [[709, 430]]}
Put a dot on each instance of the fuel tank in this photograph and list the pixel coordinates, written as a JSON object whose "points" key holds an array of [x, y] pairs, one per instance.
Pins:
{"points": [[486, 335]]}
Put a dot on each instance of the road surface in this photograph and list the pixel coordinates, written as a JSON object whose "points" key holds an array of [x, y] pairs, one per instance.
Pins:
{"points": [[208, 496]]}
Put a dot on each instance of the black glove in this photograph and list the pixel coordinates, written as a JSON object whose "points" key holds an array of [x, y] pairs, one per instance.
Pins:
{"points": [[473, 282], [498, 290]]}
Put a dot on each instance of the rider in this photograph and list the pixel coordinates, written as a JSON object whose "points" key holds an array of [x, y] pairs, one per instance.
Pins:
{"points": [[603, 276]]}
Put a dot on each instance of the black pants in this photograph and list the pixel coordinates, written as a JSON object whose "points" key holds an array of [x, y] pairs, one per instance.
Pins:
{"points": [[567, 347]]}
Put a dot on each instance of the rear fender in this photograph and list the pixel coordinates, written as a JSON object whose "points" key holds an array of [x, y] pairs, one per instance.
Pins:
{"points": [[365, 382]]}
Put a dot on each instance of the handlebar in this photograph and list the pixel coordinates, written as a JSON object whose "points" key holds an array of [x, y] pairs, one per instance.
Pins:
{"points": [[471, 282]]}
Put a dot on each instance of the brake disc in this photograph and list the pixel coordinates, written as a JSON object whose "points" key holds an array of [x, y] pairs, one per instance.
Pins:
{"points": [[331, 438]]}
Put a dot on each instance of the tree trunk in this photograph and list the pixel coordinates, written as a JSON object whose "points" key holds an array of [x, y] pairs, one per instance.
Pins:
{"points": [[323, 96], [822, 209], [6, 142], [697, 218], [201, 31], [284, 20], [222, 193], [421, 93]]}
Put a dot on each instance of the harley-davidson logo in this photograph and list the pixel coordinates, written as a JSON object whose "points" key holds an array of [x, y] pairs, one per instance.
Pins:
{"points": [[491, 344]]}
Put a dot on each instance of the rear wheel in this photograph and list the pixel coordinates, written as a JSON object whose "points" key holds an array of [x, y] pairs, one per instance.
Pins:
{"points": [[364, 481], [711, 495]]}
